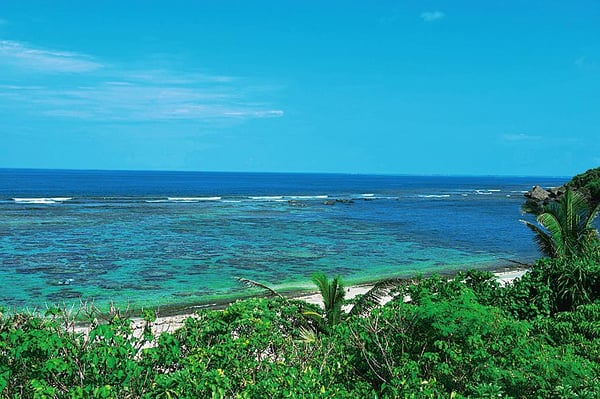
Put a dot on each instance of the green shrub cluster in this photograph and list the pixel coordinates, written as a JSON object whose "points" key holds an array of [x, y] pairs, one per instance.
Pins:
{"points": [[468, 337], [587, 183]]}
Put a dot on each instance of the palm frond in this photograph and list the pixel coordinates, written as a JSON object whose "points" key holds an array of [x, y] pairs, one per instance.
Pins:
{"points": [[254, 284], [333, 294], [569, 213], [592, 216], [589, 234], [566, 226], [307, 335], [556, 233], [322, 283], [516, 262], [337, 288], [576, 212], [375, 295], [542, 239], [320, 279], [313, 315]]}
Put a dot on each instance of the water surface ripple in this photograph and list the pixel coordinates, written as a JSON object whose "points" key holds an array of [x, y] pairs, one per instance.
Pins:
{"points": [[167, 238]]}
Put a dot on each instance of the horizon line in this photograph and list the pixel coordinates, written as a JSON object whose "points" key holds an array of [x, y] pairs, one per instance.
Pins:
{"points": [[390, 174]]}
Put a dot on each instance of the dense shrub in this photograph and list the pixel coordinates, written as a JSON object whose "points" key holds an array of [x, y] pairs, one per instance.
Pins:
{"points": [[579, 329], [466, 337], [459, 345], [254, 349], [554, 285], [42, 359], [587, 183]]}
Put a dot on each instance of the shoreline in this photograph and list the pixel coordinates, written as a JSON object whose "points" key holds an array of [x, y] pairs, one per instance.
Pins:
{"points": [[309, 290], [170, 320], [352, 291], [173, 310]]}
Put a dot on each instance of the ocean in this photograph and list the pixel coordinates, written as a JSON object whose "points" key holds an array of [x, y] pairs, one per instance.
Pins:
{"points": [[179, 239]]}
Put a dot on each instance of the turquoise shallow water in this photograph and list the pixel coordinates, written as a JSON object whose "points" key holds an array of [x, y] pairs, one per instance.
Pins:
{"points": [[164, 238]]}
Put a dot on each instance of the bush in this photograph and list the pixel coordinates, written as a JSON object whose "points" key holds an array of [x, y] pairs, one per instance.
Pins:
{"points": [[460, 346], [42, 359], [254, 349], [588, 183], [554, 285], [467, 337]]}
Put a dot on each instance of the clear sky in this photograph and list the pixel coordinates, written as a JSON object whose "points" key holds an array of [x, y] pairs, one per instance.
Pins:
{"points": [[393, 87]]}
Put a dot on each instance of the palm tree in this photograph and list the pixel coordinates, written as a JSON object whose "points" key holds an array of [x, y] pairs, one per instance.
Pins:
{"points": [[333, 297], [566, 227]]}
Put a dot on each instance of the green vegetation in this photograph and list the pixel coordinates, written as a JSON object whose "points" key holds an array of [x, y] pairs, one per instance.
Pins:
{"points": [[566, 226], [333, 294], [588, 183], [467, 337]]}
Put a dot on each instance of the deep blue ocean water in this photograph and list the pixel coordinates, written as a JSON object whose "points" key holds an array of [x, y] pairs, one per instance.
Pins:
{"points": [[180, 238]]}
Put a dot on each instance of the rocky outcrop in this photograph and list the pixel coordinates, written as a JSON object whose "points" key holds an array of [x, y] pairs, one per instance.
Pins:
{"points": [[587, 184], [540, 194], [338, 201], [537, 193]]}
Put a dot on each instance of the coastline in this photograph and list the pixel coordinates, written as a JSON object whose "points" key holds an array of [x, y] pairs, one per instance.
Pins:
{"points": [[169, 244], [503, 277], [170, 320], [173, 310]]}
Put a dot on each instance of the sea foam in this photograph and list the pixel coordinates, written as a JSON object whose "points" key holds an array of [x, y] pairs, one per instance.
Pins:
{"points": [[54, 200], [266, 197], [308, 197], [193, 199], [433, 195]]}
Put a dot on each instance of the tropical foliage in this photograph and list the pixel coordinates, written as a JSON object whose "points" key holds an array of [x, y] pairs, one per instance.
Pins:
{"points": [[588, 183], [464, 337], [332, 292], [566, 227]]}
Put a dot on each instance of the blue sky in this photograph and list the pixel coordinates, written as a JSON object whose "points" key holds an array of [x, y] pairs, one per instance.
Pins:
{"points": [[393, 87]]}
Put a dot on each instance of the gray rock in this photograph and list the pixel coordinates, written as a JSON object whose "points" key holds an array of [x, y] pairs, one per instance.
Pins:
{"points": [[556, 192], [538, 194]]}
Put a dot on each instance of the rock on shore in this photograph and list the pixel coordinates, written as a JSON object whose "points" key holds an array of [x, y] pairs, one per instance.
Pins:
{"points": [[541, 194]]}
